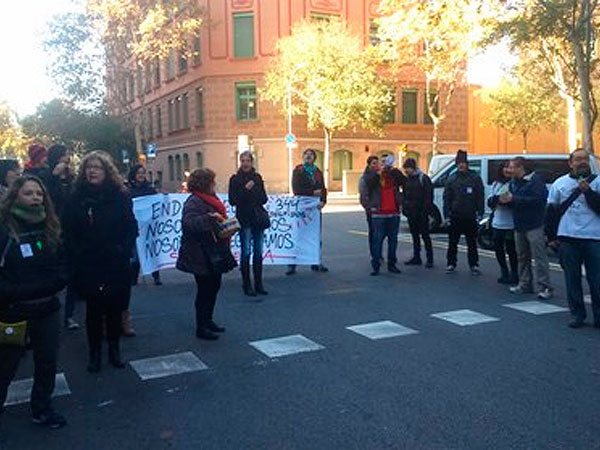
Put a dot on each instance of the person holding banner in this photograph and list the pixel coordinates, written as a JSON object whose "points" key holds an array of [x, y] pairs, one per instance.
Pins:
{"points": [[100, 231], [205, 247], [247, 194], [308, 180]]}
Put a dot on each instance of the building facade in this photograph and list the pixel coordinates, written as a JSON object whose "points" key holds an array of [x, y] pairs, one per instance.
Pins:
{"points": [[197, 109]]}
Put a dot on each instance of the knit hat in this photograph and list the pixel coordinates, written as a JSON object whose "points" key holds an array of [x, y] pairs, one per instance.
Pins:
{"points": [[37, 153], [461, 156], [410, 163], [55, 152]]}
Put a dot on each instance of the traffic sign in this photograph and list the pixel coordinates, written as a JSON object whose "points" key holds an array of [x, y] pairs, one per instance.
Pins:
{"points": [[151, 150], [125, 156], [290, 139]]}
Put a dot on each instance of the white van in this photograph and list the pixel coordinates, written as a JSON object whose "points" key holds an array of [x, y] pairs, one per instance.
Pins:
{"points": [[549, 166], [438, 162]]}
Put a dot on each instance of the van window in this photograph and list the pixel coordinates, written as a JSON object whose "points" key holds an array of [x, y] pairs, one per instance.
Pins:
{"points": [[451, 168], [550, 169]]}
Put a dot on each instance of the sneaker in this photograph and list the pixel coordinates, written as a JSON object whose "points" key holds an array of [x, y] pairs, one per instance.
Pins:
{"points": [[291, 271], [157, 282], [450, 269], [475, 271], [413, 262], [49, 418], [393, 269], [71, 325], [374, 273], [518, 289], [546, 294]]}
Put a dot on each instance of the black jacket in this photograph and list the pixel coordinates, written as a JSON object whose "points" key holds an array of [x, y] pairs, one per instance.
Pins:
{"points": [[43, 173], [100, 231], [303, 184], [464, 196], [140, 189], [528, 202], [60, 191], [418, 195], [246, 201], [372, 180], [31, 274]]}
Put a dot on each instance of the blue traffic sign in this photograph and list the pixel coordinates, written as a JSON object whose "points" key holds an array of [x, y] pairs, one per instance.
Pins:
{"points": [[290, 139], [151, 150]]}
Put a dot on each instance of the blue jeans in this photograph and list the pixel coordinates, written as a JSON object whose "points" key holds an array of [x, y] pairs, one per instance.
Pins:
{"points": [[252, 242], [385, 227], [573, 253]]}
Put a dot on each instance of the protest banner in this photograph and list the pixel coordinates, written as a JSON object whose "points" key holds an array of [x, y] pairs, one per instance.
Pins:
{"points": [[293, 238]]}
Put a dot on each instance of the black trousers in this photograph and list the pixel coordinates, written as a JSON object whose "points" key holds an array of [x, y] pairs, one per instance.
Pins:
{"points": [[371, 234], [419, 228], [43, 333], [99, 311], [504, 244], [208, 287], [458, 227]]}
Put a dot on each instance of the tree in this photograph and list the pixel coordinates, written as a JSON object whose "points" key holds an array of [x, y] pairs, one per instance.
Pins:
{"points": [[437, 38], [520, 106], [13, 142], [125, 38], [332, 78], [568, 26]]}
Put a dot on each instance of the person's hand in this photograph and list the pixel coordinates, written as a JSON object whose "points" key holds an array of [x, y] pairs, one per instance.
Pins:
{"points": [[249, 185], [218, 217], [60, 168], [584, 186], [554, 245], [320, 205], [317, 192], [505, 198]]}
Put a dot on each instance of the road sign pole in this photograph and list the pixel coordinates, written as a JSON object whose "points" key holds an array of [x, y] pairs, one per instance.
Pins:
{"points": [[289, 144]]}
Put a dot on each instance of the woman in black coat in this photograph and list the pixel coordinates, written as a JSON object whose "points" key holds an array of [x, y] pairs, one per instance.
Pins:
{"points": [[247, 194], [32, 272], [100, 230], [203, 253]]}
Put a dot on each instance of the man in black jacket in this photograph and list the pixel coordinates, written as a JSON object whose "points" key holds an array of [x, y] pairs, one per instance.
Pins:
{"points": [[463, 203], [417, 204]]}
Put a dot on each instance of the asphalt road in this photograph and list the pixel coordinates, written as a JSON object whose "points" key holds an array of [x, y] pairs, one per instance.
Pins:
{"points": [[522, 381]]}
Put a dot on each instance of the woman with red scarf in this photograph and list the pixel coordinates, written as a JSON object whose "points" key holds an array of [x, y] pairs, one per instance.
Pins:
{"points": [[203, 253]]}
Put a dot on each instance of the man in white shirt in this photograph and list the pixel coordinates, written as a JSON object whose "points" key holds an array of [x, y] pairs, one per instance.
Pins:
{"points": [[573, 225]]}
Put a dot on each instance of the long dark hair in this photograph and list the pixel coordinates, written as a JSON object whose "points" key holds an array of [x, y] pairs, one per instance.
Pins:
{"points": [[112, 180], [51, 223]]}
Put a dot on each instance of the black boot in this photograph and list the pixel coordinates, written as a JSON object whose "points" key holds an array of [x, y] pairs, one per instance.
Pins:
{"points": [[114, 355], [414, 261], [504, 278], [258, 283], [95, 360], [247, 285]]}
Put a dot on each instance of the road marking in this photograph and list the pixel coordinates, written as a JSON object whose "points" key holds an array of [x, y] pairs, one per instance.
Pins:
{"points": [[464, 317], [168, 365], [535, 307], [286, 345], [404, 237], [20, 391], [381, 330]]}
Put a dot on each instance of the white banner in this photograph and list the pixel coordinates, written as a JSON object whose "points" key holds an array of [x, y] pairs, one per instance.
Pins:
{"points": [[293, 238]]}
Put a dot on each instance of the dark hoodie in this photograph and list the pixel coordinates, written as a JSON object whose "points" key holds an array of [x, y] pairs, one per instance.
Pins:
{"points": [[138, 189]]}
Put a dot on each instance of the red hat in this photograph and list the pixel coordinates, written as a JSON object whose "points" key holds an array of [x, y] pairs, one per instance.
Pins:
{"points": [[37, 153]]}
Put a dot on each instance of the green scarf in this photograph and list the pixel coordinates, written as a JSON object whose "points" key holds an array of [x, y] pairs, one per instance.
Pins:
{"points": [[310, 170], [29, 214]]}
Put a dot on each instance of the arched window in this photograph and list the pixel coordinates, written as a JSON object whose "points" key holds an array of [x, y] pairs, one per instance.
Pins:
{"points": [[199, 160], [178, 170], [342, 160], [186, 162], [171, 169]]}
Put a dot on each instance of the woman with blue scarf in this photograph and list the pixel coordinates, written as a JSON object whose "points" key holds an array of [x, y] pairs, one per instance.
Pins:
{"points": [[308, 180]]}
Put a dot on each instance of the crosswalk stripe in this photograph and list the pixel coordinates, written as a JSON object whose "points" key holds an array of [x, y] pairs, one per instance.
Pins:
{"points": [[167, 365], [381, 330], [19, 391], [464, 317], [535, 307], [285, 345]]}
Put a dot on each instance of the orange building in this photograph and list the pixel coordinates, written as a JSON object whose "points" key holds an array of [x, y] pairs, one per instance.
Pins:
{"points": [[196, 109]]}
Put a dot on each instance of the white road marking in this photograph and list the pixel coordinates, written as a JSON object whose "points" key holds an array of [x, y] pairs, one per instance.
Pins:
{"points": [[285, 345], [168, 365], [381, 330], [20, 391], [535, 307], [464, 317]]}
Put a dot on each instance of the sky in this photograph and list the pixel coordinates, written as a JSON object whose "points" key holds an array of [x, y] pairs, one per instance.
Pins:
{"points": [[24, 82]]}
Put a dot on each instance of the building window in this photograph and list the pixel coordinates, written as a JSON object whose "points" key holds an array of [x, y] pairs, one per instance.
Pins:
{"points": [[436, 105], [409, 106], [390, 111], [171, 115], [177, 113], [139, 80], [200, 106], [171, 169], [157, 72], [185, 111], [243, 35], [148, 77], [245, 101], [159, 176], [342, 160], [197, 58], [183, 63], [186, 162], [374, 32], [158, 120], [178, 171], [124, 91], [199, 160], [170, 65]]}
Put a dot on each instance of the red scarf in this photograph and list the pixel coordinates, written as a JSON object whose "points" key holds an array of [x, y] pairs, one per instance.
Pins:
{"points": [[213, 201]]}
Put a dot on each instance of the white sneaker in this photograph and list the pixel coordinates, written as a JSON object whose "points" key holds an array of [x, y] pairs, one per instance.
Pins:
{"points": [[518, 289], [546, 294]]}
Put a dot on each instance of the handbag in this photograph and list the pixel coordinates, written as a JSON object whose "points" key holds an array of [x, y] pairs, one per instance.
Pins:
{"points": [[228, 228], [13, 334], [263, 221], [219, 256]]}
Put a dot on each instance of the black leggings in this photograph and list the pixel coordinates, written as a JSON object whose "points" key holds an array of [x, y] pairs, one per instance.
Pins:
{"points": [[100, 311], [504, 244], [206, 297]]}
